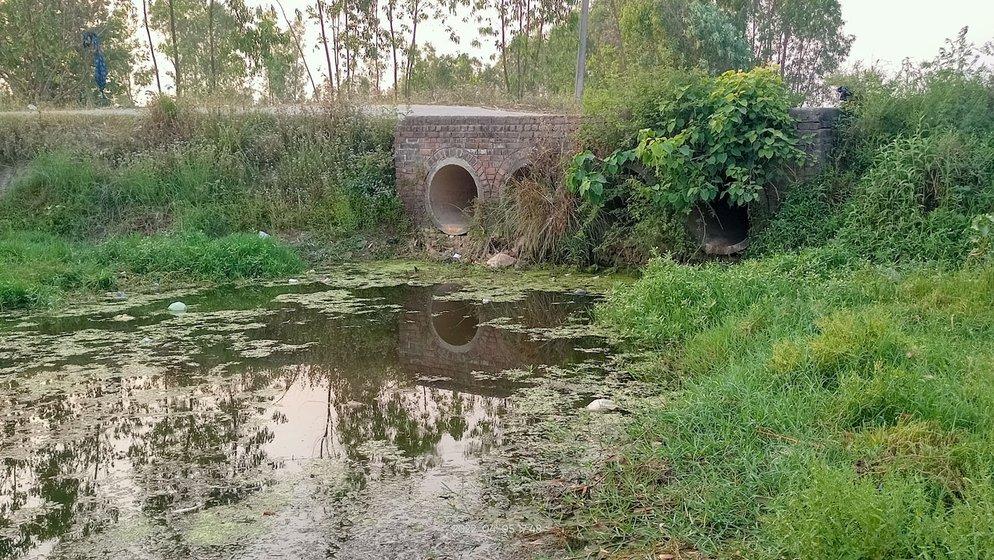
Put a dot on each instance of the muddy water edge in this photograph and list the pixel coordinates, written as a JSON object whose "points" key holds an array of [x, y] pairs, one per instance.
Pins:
{"points": [[376, 411]]}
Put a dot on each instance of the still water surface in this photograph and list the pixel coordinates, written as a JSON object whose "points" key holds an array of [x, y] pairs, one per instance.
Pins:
{"points": [[268, 421]]}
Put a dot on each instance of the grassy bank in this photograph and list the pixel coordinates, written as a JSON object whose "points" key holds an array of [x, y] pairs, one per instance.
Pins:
{"points": [[831, 395], [813, 412], [180, 193], [40, 269]]}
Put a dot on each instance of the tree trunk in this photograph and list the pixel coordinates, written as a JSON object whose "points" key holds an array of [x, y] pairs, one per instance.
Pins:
{"points": [[176, 61], [300, 50], [151, 47], [212, 45], [393, 45], [503, 44], [324, 41], [335, 42], [415, 12], [581, 54], [616, 12], [348, 50], [377, 43]]}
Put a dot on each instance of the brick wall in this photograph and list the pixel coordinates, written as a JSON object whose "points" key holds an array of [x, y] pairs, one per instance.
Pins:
{"points": [[816, 128], [497, 146]]}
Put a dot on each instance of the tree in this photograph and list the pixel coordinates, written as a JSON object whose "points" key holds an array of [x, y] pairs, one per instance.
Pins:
{"points": [[151, 46], [803, 37], [274, 57], [42, 59], [205, 44]]}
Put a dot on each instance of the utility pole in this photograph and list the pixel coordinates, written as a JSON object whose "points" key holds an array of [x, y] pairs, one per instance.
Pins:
{"points": [[581, 54]]}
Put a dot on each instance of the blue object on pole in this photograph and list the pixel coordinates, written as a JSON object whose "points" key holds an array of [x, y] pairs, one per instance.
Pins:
{"points": [[92, 40]]}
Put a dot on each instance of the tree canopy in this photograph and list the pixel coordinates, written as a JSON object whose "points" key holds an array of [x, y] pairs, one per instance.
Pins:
{"points": [[227, 49]]}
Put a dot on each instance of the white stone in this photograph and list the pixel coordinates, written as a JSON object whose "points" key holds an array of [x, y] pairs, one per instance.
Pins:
{"points": [[501, 260], [293, 281], [177, 307], [263, 235], [602, 405]]}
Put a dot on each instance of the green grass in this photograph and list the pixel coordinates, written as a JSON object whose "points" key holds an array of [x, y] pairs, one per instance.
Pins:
{"points": [[327, 172], [180, 194], [40, 269], [815, 411]]}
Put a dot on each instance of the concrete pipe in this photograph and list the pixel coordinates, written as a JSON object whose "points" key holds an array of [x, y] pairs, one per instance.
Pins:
{"points": [[452, 189], [718, 228]]}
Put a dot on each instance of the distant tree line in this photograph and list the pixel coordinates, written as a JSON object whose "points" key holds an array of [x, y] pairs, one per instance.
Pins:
{"points": [[226, 50]]}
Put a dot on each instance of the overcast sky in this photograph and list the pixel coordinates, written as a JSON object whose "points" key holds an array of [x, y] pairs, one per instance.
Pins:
{"points": [[892, 30]]}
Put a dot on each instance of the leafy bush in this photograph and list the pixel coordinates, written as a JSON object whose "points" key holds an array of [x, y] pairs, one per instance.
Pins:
{"points": [[722, 138]]}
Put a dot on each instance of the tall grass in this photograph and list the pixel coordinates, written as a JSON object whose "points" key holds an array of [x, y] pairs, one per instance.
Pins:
{"points": [[40, 269], [817, 411], [913, 168], [328, 172], [532, 217]]}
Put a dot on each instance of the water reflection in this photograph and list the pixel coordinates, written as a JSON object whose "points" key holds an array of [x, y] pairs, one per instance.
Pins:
{"points": [[95, 426]]}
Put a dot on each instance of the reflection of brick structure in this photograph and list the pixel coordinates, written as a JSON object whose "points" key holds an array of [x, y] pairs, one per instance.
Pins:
{"points": [[424, 349], [493, 146]]}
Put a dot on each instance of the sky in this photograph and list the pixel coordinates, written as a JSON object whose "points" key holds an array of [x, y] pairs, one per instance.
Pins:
{"points": [[887, 31]]}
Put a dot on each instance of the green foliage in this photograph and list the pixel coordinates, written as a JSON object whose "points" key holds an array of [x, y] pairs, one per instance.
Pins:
{"points": [[40, 60], [722, 138], [818, 409], [805, 38], [199, 257], [914, 168], [982, 236], [40, 269], [724, 142], [329, 173], [917, 199]]}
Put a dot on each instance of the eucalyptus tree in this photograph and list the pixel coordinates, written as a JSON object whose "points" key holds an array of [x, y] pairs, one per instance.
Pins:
{"points": [[205, 44], [274, 57], [805, 38]]}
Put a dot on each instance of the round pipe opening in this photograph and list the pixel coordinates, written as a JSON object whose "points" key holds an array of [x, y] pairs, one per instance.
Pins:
{"points": [[452, 189], [453, 322], [718, 228]]}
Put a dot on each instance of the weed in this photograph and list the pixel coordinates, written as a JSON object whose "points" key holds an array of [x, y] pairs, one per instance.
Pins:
{"points": [[826, 408], [39, 269]]}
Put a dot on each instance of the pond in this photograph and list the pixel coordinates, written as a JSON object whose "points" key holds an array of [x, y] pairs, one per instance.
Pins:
{"points": [[314, 420]]}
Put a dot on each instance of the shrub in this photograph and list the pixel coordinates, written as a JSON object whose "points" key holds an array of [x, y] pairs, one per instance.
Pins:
{"points": [[329, 172], [716, 139]]}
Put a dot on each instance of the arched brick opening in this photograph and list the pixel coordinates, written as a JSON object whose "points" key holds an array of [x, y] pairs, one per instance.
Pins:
{"points": [[719, 228], [521, 173], [453, 187]]}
